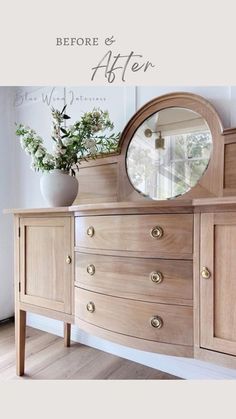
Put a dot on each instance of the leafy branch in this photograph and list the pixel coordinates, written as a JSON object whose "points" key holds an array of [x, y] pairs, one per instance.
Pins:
{"points": [[86, 138]]}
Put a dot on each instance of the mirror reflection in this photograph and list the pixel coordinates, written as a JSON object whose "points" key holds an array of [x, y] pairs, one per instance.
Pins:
{"points": [[169, 153]]}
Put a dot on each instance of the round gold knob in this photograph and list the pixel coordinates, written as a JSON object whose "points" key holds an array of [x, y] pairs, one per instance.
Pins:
{"points": [[206, 274], [68, 260], [157, 322], [90, 307], [91, 269], [90, 231], [156, 277], [157, 232]]}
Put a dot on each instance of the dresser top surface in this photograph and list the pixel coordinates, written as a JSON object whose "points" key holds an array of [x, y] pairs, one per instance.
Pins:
{"points": [[103, 206], [176, 205]]}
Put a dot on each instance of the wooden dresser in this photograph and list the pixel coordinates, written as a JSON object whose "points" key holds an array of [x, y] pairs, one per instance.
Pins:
{"points": [[157, 275], [158, 278]]}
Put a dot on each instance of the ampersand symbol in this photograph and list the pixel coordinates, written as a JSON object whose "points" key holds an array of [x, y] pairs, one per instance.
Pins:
{"points": [[110, 41]]}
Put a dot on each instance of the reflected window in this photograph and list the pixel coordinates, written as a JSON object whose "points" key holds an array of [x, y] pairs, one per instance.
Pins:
{"points": [[169, 153]]}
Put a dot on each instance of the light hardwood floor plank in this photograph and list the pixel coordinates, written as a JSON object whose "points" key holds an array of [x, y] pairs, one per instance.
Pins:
{"points": [[48, 359]]}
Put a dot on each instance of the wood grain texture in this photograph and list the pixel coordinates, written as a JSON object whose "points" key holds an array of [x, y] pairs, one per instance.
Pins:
{"points": [[145, 254], [130, 278], [212, 202], [175, 206], [217, 358], [130, 317], [230, 169], [196, 279], [57, 315], [55, 211], [206, 286], [131, 233], [20, 326], [46, 358], [218, 294], [224, 281], [97, 183], [213, 205], [136, 343], [67, 334], [45, 244], [229, 135]]}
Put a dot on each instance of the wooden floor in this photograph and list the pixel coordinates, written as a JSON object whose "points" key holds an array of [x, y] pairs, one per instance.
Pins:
{"points": [[46, 358]]}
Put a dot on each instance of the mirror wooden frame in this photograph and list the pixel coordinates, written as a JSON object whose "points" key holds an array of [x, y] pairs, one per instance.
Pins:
{"points": [[211, 183]]}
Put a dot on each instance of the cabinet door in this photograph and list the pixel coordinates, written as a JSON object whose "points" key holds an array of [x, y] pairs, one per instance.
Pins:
{"points": [[46, 262], [218, 292]]}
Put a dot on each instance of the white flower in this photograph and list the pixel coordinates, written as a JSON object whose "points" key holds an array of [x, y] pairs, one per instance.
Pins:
{"points": [[59, 151], [28, 151], [47, 159], [68, 141], [90, 143], [93, 150], [39, 153], [31, 147]]}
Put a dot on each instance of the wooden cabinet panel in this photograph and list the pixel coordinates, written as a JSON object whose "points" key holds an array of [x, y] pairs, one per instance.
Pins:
{"points": [[133, 318], [160, 280], [132, 233], [218, 293], [97, 183], [45, 262]]}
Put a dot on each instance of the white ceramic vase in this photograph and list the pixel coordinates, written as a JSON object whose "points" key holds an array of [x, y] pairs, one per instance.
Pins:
{"points": [[58, 188]]}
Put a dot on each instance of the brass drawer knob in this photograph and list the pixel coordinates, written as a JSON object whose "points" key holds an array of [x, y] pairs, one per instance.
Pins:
{"points": [[156, 277], [90, 231], [91, 269], [157, 322], [90, 307], [206, 274], [68, 260], [157, 232]]}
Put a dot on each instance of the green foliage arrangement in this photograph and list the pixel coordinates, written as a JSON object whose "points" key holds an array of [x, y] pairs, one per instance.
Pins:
{"points": [[86, 138]]}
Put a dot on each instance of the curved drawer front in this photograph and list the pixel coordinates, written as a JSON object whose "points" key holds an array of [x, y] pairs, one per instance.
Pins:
{"points": [[150, 321], [155, 235], [137, 278]]}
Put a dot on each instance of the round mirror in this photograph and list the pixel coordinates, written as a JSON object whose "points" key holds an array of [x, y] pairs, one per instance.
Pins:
{"points": [[169, 153]]}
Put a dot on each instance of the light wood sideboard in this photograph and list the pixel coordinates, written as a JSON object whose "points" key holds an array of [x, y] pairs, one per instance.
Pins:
{"points": [[156, 275], [106, 269]]}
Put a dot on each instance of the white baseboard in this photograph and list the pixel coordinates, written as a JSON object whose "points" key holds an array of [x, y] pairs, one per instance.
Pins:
{"points": [[181, 367]]}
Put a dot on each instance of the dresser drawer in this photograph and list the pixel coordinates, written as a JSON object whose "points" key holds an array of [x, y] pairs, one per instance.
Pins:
{"points": [[137, 278], [150, 321], [153, 235]]}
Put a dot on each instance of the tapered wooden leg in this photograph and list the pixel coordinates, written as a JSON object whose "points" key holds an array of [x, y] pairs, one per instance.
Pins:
{"points": [[67, 331], [20, 325]]}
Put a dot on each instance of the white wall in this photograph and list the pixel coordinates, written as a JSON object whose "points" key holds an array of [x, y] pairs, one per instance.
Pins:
{"points": [[221, 97], [122, 103], [7, 169]]}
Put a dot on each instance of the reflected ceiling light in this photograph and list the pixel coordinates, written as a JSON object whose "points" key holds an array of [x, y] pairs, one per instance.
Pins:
{"points": [[159, 141]]}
